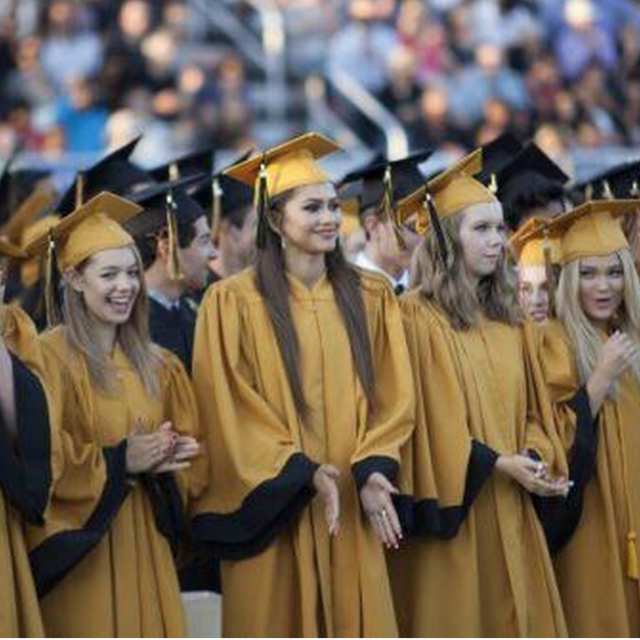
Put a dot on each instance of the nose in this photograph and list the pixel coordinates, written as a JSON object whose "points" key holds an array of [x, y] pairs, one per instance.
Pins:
{"points": [[602, 284]]}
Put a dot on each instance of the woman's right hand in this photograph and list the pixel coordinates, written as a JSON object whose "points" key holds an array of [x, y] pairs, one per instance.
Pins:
{"points": [[325, 482], [146, 450], [532, 475], [617, 355]]}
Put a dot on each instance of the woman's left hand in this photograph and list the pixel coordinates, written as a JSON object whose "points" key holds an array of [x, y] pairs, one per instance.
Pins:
{"points": [[376, 500]]}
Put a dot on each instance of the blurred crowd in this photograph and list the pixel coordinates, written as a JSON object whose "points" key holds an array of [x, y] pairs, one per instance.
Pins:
{"points": [[77, 76]]}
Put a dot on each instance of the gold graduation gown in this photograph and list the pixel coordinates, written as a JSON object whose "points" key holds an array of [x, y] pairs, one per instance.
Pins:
{"points": [[25, 479], [102, 565], [598, 596], [283, 575], [477, 563]]}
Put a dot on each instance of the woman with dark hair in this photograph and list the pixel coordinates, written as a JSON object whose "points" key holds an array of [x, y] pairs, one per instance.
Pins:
{"points": [[27, 457], [478, 565], [304, 387], [103, 562]]}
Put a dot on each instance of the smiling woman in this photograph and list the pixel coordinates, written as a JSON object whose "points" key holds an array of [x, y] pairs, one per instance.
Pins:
{"points": [[302, 375], [127, 417], [594, 350]]}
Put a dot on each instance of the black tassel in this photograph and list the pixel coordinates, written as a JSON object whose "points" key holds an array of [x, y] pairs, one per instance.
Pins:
{"points": [[434, 219], [262, 205]]}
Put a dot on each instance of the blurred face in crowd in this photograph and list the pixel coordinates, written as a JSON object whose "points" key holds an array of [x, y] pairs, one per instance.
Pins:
{"points": [[237, 244], [383, 247], [109, 283], [311, 219], [482, 239], [601, 287], [134, 19], [534, 292], [194, 259]]}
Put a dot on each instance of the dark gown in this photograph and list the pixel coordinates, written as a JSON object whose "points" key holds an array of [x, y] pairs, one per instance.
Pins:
{"points": [[174, 329]]}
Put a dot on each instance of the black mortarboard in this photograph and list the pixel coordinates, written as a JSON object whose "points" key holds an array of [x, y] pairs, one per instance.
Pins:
{"points": [[114, 173], [25, 181], [531, 180], [233, 195], [618, 182], [198, 162], [404, 174], [495, 156], [154, 200]]}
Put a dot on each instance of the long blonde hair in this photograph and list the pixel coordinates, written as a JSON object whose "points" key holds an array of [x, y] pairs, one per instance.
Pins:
{"points": [[583, 334], [451, 287], [133, 338]]}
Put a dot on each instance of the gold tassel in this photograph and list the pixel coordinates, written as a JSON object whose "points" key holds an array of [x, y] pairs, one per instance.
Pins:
{"points": [[607, 194], [51, 307], [262, 204], [174, 171], [216, 209], [493, 184], [173, 266], [389, 209], [588, 192], [79, 190], [632, 557]]}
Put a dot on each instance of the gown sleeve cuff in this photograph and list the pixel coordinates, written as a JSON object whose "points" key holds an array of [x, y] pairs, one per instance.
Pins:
{"points": [[264, 513], [60, 553], [361, 470], [427, 517]]}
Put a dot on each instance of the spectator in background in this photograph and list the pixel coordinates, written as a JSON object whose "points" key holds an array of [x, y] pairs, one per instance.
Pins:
{"points": [[582, 41], [488, 78], [362, 47], [81, 117], [402, 93], [69, 49]]}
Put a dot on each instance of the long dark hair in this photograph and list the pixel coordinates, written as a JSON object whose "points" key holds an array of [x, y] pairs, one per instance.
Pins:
{"points": [[345, 281]]}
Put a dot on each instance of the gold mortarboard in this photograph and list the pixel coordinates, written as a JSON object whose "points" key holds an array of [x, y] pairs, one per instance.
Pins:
{"points": [[534, 246], [93, 227], [10, 250], [27, 213], [288, 166], [30, 269], [446, 195], [593, 229]]}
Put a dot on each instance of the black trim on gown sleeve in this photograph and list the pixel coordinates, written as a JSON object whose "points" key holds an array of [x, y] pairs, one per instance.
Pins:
{"points": [[167, 506], [560, 516], [361, 471], [25, 465], [427, 517], [264, 514], [59, 554]]}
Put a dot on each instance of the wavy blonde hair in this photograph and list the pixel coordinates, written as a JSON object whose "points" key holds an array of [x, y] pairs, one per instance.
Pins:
{"points": [[451, 288], [132, 337], [583, 334]]}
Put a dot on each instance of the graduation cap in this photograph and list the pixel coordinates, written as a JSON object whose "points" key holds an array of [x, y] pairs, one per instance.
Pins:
{"points": [[10, 250], [495, 156], [446, 195], [93, 227], [593, 229], [27, 213], [194, 163], [620, 181], [221, 195], [531, 179], [277, 170], [534, 246], [30, 269], [385, 182], [114, 173], [27, 180], [165, 206]]}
